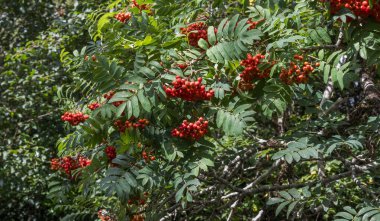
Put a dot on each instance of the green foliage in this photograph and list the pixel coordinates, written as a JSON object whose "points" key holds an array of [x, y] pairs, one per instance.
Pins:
{"points": [[273, 150], [368, 213], [231, 41], [30, 72], [313, 144]]}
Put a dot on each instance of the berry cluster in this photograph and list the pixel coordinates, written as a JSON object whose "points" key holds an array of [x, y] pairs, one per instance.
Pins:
{"points": [[297, 74], [110, 152], [140, 7], [360, 8], [182, 66], [93, 106], [148, 157], [195, 32], [122, 126], [109, 95], [67, 164], [123, 16], [191, 131], [137, 217], [74, 118], [253, 23], [252, 70], [189, 90], [137, 200]]}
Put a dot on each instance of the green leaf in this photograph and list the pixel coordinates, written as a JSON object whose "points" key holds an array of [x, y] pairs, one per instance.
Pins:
{"points": [[295, 194], [147, 72], [344, 215], [281, 207], [105, 19], [145, 103], [179, 193], [130, 179], [365, 210], [211, 36], [288, 158], [285, 195], [350, 210], [135, 106], [363, 53], [315, 37], [147, 41], [340, 78], [332, 56], [203, 44], [290, 208], [189, 198], [129, 109], [275, 200], [220, 28], [375, 217], [207, 162], [369, 214], [326, 73], [120, 109], [324, 35]]}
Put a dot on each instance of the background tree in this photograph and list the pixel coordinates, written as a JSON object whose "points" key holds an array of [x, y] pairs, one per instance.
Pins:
{"points": [[30, 71]]}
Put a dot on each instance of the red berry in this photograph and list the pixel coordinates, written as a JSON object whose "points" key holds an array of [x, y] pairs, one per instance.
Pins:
{"points": [[191, 131], [110, 152], [74, 118]]}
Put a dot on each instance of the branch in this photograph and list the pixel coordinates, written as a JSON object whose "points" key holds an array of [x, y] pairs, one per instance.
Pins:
{"points": [[236, 162], [334, 106], [233, 206], [264, 175], [269, 188], [38, 117], [225, 182], [321, 167], [312, 48], [370, 91], [327, 93], [258, 216]]}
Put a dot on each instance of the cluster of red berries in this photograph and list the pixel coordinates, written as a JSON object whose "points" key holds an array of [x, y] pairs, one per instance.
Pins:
{"points": [[252, 70], [132, 122], [93, 106], [182, 66], [297, 74], [140, 7], [189, 90], [67, 164], [148, 157], [358, 7], [253, 23], [191, 131], [138, 217], [104, 215], [74, 118], [137, 200], [195, 32], [109, 95], [110, 152], [123, 16]]}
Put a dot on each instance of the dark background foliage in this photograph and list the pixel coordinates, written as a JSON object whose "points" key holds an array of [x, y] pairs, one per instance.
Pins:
{"points": [[32, 36]]}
